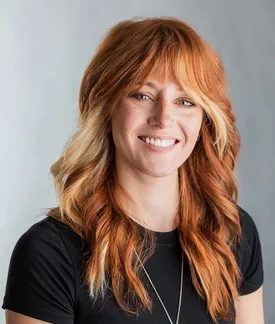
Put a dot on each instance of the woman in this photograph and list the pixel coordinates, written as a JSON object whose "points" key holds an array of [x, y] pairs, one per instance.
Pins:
{"points": [[148, 229]]}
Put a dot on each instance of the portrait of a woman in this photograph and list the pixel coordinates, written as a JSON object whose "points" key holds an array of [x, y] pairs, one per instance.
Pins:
{"points": [[148, 228]]}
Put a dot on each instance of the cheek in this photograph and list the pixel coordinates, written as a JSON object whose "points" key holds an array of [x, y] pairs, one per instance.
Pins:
{"points": [[191, 125], [124, 122]]}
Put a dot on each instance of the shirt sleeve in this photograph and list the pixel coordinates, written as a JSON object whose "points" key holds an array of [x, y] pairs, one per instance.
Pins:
{"points": [[250, 257], [41, 278]]}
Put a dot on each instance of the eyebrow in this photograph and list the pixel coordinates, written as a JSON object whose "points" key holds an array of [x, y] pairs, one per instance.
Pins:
{"points": [[152, 85]]}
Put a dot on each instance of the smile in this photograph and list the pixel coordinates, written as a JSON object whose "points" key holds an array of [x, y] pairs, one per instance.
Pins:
{"points": [[157, 144], [158, 141]]}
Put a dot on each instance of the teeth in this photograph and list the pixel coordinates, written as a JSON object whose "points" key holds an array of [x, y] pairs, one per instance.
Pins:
{"points": [[158, 142]]}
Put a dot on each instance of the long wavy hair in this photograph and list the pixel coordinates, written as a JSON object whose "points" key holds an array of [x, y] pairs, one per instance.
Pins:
{"points": [[85, 178]]}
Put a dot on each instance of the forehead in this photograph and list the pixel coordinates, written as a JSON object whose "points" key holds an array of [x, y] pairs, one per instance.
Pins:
{"points": [[157, 85], [162, 74]]}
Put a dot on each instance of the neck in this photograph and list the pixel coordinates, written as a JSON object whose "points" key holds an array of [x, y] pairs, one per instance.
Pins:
{"points": [[156, 199]]}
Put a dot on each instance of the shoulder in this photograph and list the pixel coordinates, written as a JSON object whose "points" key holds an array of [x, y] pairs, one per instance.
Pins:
{"points": [[48, 237], [52, 235], [247, 223], [42, 277], [52, 242], [250, 238], [249, 254], [48, 228]]}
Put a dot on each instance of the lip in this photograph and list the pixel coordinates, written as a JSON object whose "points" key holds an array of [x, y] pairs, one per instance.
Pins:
{"points": [[160, 149]]}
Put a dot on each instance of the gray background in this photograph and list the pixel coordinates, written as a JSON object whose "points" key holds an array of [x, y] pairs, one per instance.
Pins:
{"points": [[45, 47]]}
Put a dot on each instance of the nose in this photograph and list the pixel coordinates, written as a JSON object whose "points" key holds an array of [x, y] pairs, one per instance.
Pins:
{"points": [[163, 116]]}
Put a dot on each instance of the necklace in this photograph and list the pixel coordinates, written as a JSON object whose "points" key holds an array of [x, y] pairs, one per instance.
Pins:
{"points": [[180, 297]]}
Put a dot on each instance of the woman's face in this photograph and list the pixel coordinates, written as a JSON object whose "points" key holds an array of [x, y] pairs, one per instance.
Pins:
{"points": [[155, 129]]}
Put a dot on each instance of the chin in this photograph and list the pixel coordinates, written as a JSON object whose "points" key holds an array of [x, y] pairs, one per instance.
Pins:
{"points": [[159, 173]]}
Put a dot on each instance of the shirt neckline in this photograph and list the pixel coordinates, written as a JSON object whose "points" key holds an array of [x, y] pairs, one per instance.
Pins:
{"points": [[162, 238]]}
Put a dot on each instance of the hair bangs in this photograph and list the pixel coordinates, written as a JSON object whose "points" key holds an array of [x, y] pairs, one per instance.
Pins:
{"points": [[172, 56]]}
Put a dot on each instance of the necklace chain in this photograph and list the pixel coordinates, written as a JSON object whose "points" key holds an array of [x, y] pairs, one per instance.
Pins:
{"points": [[180, 297]]}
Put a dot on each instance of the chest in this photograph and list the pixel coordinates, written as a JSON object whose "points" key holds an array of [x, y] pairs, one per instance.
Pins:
{"points": [[164, 269]]}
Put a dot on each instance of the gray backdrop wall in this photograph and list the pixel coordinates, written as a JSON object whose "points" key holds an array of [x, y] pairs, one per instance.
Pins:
{"points": [[45, 47]]}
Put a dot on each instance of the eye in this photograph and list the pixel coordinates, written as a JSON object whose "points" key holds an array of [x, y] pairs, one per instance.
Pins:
{"points": [[139, 96], [187, 103]]}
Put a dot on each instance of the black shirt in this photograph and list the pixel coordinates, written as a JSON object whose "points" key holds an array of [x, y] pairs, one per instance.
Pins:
{"points": [[46, 267]]}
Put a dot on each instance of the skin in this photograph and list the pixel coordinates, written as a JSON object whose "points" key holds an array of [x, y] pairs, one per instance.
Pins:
{"points": [[250, 308], [146, 175], [157, 110]]}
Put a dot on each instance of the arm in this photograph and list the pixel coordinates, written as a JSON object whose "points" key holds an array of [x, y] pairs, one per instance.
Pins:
{"points": [[17, 318], [249, 308]]}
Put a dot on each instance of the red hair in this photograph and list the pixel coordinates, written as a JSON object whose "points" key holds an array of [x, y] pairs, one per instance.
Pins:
{"points": [[84, 175]]}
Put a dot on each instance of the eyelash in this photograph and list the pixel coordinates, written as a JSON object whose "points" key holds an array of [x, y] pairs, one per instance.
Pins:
{"points": [[142, 94]]}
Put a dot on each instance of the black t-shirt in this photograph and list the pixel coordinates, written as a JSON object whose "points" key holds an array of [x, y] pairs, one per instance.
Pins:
{"points": [[45, 278]]}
